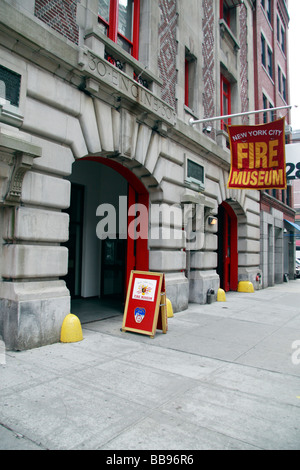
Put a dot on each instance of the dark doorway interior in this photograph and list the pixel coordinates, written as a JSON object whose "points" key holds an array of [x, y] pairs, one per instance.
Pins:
{"points": [[113, 269], [228, 248], [99, 266], [74, 244]]}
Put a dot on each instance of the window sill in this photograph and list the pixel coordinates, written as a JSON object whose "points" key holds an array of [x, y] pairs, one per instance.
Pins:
{"points": [[131, 65], [223, 140], [10, 114], [267, 73], [226, 33], [283, 98], [190, 111]]}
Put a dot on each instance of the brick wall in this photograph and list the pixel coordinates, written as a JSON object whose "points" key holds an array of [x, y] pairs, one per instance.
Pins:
{"points": [[59, 15], [168, 50], [208, 52], [244, 63]]}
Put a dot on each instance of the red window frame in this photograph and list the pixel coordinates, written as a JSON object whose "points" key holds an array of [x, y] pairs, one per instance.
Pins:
{"points": [[112, 26], [186, 86], [227, 96], [225, 12]]}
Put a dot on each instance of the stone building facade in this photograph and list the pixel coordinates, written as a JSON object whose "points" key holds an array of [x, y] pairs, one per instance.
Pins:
{"points": [[98, 142], [271, 22]]}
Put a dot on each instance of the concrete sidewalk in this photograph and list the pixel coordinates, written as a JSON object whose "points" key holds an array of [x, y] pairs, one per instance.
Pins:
{"points": [[225, 376]]}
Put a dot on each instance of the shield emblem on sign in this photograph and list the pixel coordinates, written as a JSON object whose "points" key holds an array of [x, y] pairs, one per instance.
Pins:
{"points": [[139, 314]]}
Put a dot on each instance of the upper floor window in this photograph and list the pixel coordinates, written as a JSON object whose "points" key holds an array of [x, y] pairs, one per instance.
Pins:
{"points": [[225, 11], [279, 80], [268, 116], [119, 20], [266, 4], [187, 83], [283, 39], [284, 88], [189, 88], [270, 62], [282, 84], [267, 57], [281, 34], [265, 104], [10, 84], [225, 100], [12, 94], [263, 51]]}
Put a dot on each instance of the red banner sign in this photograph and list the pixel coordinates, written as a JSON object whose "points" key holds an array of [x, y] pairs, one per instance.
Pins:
{"points": [[258, 156]]}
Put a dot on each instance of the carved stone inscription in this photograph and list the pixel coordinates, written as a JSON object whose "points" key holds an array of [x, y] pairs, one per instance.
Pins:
{"points": [[129, 88]]}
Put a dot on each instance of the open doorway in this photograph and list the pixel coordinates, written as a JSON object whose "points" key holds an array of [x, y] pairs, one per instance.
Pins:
{"points": [[227, 248], [99, 267]]}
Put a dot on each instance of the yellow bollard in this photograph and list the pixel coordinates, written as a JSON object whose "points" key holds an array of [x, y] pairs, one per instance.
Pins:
{"points": [[221, 297], [245, 286], [71, 331], [170, 313]]}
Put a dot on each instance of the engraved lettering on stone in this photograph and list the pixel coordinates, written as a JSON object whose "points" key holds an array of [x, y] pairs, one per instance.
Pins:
{"points": [[111, 75]]}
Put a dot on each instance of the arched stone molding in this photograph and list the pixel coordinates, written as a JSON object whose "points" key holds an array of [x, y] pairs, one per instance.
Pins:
{"points": [[246, 205], [67, 125]]}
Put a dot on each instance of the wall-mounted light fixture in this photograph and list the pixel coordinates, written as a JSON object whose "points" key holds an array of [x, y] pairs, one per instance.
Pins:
{"points": [[212, 220], [207, 129]]}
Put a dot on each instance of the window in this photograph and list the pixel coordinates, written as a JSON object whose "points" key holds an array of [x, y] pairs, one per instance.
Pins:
{"points": [[263, 51], [186, 85], [189, 86], [268, 10], [266, 5], [270, 62], [10, 84], [282, 39], [279, 80], [12, 93], [225, 100], [265, 105], [281, 35], [284, 88], [268, 116], [282, 83], [225, 12], [194, 173], [266, 56], [119, 20], [272, 113]]}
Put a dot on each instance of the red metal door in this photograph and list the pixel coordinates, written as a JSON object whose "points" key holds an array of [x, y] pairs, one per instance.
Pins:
{"points": [[226, 251], [228, 248], [137, 246]]}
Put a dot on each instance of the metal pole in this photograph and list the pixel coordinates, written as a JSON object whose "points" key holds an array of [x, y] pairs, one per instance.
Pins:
{"points": [[228, 116]]}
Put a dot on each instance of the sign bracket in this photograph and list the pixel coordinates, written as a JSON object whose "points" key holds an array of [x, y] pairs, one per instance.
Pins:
{"points": [[192, 121]]}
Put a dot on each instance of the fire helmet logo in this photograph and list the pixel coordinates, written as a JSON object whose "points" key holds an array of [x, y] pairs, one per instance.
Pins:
{"points": [[139, 314]]}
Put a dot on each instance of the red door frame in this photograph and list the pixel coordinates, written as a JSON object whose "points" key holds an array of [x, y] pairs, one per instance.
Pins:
{"points": [[137, 250], [229, 242]]}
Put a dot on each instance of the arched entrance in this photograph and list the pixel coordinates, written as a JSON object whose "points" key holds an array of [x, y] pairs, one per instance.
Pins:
{"points": [[227, 247], [99, 266]]}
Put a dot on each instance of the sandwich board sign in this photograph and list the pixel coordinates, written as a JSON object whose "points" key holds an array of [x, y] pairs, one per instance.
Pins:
{"points": [[146, 304]]}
